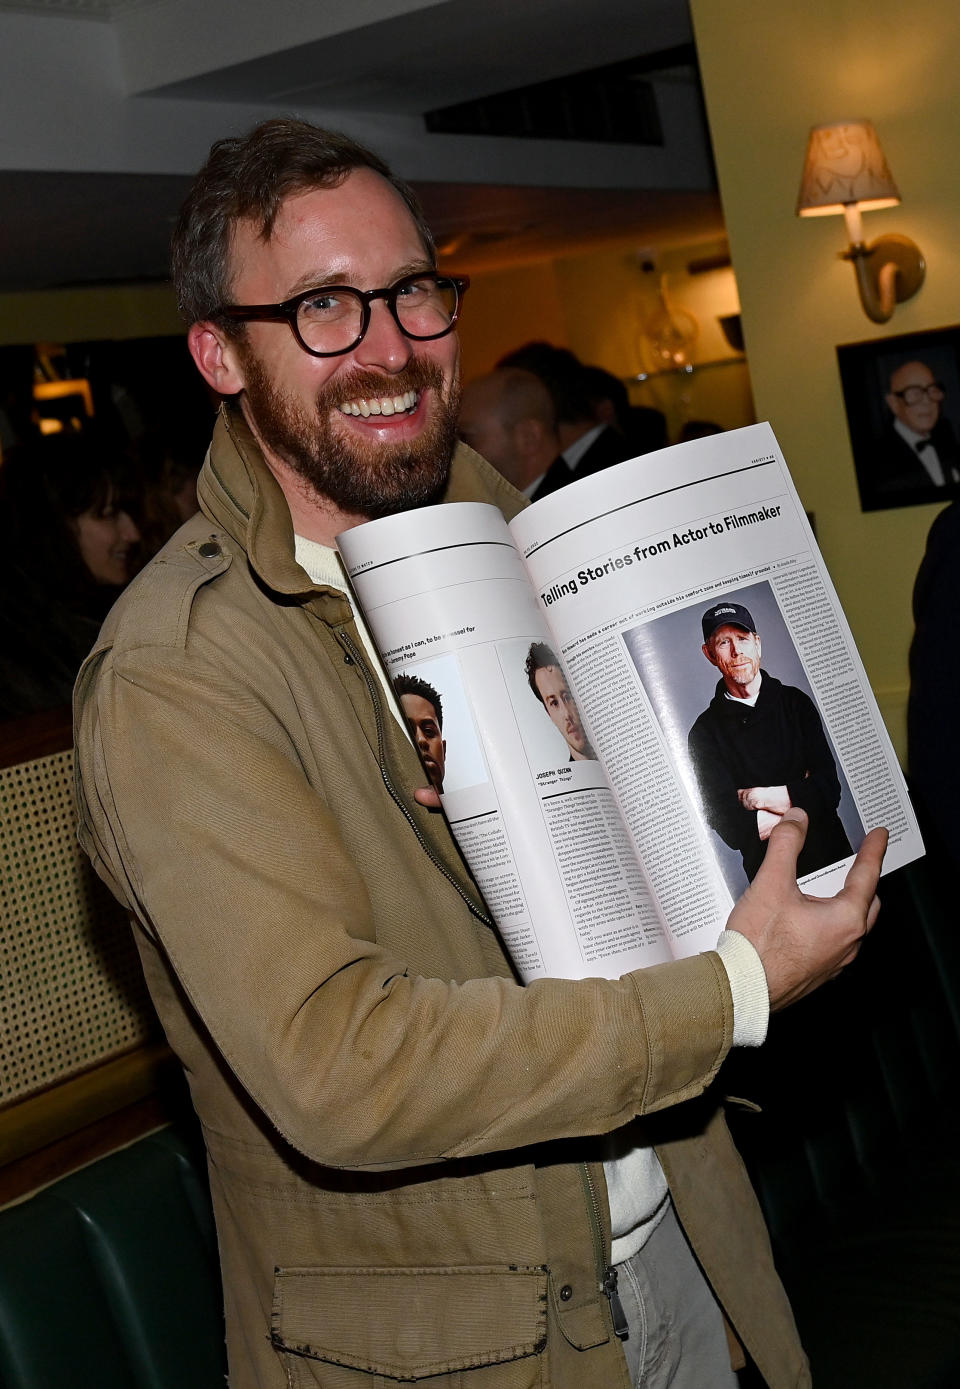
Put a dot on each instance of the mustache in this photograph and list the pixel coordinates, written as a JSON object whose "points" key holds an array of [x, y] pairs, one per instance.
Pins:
{"points": [[417, 375]]}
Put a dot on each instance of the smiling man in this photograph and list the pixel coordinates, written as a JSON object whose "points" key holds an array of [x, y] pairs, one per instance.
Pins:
{"points": [[420, 1169]]}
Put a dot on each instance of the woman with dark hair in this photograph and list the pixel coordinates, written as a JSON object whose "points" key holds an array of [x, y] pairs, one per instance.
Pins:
{"points": [[68, 545]]}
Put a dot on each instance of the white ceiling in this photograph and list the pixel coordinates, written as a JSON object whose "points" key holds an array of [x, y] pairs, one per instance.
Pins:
{"points": [[107, 107]]}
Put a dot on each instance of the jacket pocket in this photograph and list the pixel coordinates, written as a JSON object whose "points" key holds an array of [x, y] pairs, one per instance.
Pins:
{"points": [[407, 1324]]}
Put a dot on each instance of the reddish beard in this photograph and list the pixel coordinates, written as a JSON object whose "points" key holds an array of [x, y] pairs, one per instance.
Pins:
{"points": [[360, 477]]}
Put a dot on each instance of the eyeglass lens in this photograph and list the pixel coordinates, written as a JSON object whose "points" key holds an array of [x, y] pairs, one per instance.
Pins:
{"points": [[912, 395], [332, 320]]}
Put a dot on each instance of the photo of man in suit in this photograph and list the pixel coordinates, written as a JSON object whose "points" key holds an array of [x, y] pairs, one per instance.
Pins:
{"points": [[918, 450]]}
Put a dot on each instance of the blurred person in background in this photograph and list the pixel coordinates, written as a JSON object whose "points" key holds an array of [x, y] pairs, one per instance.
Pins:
{"points": [[643, 426], [587, 444], [69, 543], [508, 417], [596, 424], [933, 738], [168, 469]]}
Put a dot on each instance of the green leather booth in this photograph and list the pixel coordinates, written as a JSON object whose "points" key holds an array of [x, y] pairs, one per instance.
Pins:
{"points": [[109, 1278]]}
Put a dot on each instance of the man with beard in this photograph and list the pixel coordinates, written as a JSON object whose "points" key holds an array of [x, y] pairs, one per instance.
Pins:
{"points": [[759, 748], [405, 1146]]}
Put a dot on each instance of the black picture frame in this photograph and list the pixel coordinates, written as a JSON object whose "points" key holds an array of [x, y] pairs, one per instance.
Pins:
{"points": [[889, 473]]}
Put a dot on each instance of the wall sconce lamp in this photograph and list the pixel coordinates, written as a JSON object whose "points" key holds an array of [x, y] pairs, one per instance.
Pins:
{"points": [[845, 171]]}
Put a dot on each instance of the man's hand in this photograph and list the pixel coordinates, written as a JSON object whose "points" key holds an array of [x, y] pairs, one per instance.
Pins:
{"points": [[767, 822], [776, 799], [427, 795], [804, 941]]}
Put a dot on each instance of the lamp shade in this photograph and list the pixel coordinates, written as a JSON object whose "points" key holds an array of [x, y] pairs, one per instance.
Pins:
{"points": [[845, 165]]}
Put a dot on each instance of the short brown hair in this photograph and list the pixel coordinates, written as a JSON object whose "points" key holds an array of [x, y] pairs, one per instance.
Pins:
{"points": [[539, 657], [248, 177]]}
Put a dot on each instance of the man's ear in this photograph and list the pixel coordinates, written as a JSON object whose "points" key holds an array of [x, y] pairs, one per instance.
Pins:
{"points": [[216, 357], [526, 437], [707, 650]]}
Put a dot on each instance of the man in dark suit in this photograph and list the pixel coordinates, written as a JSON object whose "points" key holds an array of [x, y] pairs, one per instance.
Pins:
{"points": [[933, 731], [508, 418], [918, 451], [588, 443]]}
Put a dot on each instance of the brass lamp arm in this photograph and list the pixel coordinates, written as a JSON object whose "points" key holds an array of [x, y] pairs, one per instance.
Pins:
{"points": [[888, 271]]}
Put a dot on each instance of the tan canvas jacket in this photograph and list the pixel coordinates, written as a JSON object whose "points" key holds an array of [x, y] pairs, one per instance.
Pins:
{"points": [[400, 1136]]}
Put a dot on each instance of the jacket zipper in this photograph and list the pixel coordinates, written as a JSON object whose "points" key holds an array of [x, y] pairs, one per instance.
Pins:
{"points": [[370, 681], [607, 1272]]}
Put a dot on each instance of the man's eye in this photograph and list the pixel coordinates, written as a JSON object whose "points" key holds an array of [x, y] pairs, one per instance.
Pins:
{"points": [[416, 291], [325, 306]]}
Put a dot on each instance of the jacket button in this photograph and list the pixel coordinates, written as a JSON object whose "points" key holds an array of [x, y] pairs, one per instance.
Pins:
{"points": [[566, 1292], [209, 549]]}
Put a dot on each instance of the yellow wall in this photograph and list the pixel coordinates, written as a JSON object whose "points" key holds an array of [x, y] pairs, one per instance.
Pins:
{"points": [[84, 315], [771, 71], [504, 308]]}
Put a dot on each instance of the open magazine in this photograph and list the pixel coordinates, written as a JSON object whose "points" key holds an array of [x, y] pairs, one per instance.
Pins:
{"points": [[569, 676]]}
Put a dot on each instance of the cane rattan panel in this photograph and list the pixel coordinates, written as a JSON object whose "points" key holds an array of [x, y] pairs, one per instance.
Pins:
{"points": [[71, 991]]}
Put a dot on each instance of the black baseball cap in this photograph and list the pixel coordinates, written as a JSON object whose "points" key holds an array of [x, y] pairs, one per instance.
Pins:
{"points": [[726, 615]]}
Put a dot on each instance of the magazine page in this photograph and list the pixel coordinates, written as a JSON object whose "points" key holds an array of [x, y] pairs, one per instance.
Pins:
{"points": [[449, 604], [715, 669]]}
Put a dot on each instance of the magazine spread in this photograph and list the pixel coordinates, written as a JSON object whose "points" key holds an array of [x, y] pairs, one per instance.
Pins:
{"points": [[574, 671]]}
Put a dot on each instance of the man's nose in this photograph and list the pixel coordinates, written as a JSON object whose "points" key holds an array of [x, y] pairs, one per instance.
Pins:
{"points": [[384, 345]]}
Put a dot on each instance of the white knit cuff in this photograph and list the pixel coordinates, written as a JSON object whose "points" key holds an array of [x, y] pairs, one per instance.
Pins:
{"points": [[748, 985]]}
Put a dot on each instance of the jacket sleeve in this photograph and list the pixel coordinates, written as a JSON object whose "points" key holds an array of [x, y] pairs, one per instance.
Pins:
{"points": [[736, 826], [195, 808], [818, 790]]}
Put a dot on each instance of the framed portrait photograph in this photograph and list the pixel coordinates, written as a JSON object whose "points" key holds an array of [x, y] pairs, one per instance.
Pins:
{"points": [[902, 397]]}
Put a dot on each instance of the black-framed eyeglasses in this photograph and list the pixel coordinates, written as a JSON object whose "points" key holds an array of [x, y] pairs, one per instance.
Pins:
{"points": [[912, 395], [330, 321]]}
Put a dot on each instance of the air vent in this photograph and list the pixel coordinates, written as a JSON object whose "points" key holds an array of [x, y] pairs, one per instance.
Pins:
{"points": [[616, 104]]}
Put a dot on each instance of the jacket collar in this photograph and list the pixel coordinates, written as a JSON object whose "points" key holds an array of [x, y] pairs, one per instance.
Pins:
{"points": [[238, 492]]}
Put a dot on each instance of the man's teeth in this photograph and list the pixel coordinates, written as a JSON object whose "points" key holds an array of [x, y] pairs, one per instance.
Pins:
{"points": [[385, 405]]}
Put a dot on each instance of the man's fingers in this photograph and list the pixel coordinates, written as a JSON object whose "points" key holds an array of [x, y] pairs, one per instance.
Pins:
{"points": [[864, 873], [784, 845]]}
